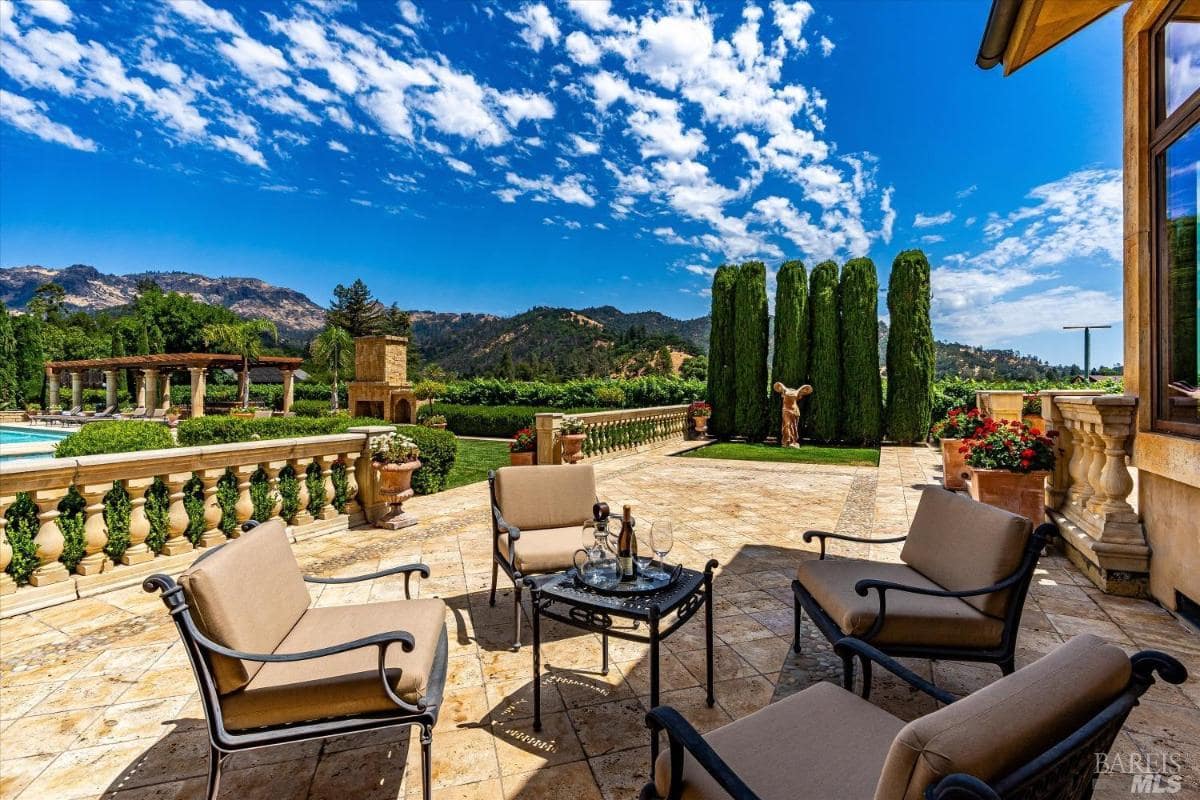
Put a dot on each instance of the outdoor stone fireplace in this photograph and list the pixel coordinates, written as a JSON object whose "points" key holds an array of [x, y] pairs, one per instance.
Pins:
{"points": [[381, 388]]}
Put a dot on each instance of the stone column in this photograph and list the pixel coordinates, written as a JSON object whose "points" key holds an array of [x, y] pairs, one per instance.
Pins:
{"points": [[49, 538], [76, 389], [199, 377], [373, 506], [165, 399], [51, 388], [150, 387], [7, 584], [140, 400], [328, 511], [245, 503], [1000, 404], [139, 524], [95, 530], [300, 466], [289, 389], [549, 448], [213, 535], [110, 388], [177, 516]]}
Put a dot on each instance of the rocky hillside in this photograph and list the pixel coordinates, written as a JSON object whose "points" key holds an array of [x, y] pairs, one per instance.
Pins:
{"points": [[88, 289]]}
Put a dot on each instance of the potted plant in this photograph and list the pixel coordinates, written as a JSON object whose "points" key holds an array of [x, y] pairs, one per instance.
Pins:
{"points": [[32, 410], [1007, 466], [395, 458], [958, 425], [700, 412], [571, 434], [1031, 411], [435, 421], [522, 448], [172, 414]]}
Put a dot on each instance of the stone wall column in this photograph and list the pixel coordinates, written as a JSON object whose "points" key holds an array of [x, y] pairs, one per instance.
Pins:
{"points": [[138, 551], [150, 387], [49, 538], [7, 584], [51, 388], [76, 389], [177, 516], [549, 448], [289, 389], [140, 400], [95, 530], [199, 378], [300, 466], [110, 388], [213, 535], [164, 400], [245, 503]]}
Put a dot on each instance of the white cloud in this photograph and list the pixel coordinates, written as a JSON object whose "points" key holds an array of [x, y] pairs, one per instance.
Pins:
{"points": [[206, 16], [932, 238], [969, 221], [571, 189], [932, 220], [584, 147], [826, 45], [22, 113], [263, 64], [56, 11], [790, 19], [597, 14], [337, 146], [241, 149], [460, 166], [537, 26], [582, 49], [410, 12], [525, 105], [888, 223], [964, 193]]}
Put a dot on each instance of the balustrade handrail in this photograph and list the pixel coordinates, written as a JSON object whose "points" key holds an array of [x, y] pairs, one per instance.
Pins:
{"points": [[622, 414]]}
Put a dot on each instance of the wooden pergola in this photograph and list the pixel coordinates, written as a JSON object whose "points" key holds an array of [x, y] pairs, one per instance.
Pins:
{"points": [[154, 382]]}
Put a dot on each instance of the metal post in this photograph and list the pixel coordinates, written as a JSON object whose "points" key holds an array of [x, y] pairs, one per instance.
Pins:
{"points": [[1087, 345]]}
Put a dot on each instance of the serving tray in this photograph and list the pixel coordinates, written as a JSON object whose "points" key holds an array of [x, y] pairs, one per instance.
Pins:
{"points": [[605, 581]]}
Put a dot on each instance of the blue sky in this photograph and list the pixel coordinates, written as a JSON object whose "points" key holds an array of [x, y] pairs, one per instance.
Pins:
{"points": [[476, 156]]}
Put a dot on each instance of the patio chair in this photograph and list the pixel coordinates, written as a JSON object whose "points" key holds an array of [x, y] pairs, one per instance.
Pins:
{"points": [[957, 596], [1034, 734], [273, 671], [62, 417], [537, 518]]}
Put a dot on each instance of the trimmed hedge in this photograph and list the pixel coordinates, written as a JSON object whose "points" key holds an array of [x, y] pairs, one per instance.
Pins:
{"points": [[118, 436], [750, 325], [269, 394], [311, 408], [499, 422], [825, 368], [439, 449], [862, 394], [721, 389], [910, 349], [585, 393], [223, 430], [790, 362]]}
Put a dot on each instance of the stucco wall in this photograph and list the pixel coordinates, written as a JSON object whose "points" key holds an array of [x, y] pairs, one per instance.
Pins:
{"points": [[1169, 510]]}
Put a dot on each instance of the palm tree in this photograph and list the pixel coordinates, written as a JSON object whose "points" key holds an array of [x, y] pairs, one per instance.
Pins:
{"points": [[244, 339], [333, 349]]}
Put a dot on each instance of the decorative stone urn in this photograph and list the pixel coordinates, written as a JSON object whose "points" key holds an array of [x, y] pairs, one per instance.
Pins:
{"points": [[700, 424], [395, 484], [572, 446], [1021, 493], [521, 459], [953, 464]]}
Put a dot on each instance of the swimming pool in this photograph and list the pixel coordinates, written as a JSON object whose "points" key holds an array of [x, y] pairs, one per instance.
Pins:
{"points": [[18, 442]]}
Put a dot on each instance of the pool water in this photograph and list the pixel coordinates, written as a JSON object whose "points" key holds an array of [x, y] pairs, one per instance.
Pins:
{"points": [[13, 435]]}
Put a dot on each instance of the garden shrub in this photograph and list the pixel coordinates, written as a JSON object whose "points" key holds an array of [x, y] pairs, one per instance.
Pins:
{"points": [[316, 489], [117, 510], [341, 487], [862, 394], [261, 496], [498, 422], [311, 408], [910, 349], [21, 529], [224, 429], [119, 436], [289, 492], [268, 394], [227, 497], [750, 325], [721, 389], [193, 504], [158, 502], [790, 361], [609, 396], [439, 449], [824, 405], [650, 390]]}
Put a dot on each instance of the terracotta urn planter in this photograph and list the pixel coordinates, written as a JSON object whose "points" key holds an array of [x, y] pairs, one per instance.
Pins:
{"points": [[521, 459], [395, 484], [572, 446], [953, 464], [1035, 421], [700, 424], [1022, 493]]}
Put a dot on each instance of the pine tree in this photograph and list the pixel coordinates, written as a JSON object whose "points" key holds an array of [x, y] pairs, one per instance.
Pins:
{"points": [[721, 390], [910, 351], [356, 309], [666, 367], [155, 340], [750, 325], [862, 394], [8, 364], [790, 361], [824, 405]]}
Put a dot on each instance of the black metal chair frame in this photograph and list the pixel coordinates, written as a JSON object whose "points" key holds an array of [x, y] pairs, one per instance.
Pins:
{"points": [[1066, 771], [223, 742], [1003, 655], [509, 564]]}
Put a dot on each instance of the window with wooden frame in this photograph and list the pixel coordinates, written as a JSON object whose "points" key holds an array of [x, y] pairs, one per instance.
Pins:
{"points": [[1175, 159]]}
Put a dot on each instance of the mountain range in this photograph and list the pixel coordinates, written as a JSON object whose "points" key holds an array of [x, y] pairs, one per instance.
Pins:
{"points": [[556, 341]]}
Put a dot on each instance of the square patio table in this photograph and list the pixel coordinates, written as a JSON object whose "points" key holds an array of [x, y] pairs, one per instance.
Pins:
{"points": [[559, 597]]}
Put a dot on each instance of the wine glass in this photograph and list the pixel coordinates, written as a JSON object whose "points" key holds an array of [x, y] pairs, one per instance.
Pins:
{"points": [[662, 539]]}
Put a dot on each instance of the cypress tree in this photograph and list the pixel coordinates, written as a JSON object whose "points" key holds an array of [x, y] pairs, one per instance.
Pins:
{"points": [[862, 394], [116, 349], [824, 373], [30, 360], [8, 363], [721, 392], [910, 353], [790, 361], [751, 336]]}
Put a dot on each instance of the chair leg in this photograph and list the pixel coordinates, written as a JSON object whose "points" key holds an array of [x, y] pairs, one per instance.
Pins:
{"points": [[1008, 665], [427, 762], [516, 616], [495, 571], [866, 677], [796, 626], [215, 759], [848, 672]]}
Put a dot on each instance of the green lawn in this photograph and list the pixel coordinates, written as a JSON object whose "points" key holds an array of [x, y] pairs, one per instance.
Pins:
{"points": [[474, 460], [805, 454]]}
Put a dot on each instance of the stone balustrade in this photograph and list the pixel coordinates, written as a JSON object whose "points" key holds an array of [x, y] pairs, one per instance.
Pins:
{"points": [[613, 432], [1088, 494], [197, 473]]}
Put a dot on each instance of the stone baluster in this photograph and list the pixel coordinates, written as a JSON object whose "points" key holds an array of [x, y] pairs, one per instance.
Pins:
{"points": [[49, 538], [272, 469], [1080, 465], [349, 459], [328, 510], [245, 503], [1095, 443], [7, 584], [303, 516], [177, 517], [95, 530], [213, 535], [1115, 481], [139, 524]]}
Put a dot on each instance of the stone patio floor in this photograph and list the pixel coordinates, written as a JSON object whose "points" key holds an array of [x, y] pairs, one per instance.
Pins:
{"points": [[97, 698]]}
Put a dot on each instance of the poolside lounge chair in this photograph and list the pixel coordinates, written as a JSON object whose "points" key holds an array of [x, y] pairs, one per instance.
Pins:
{"points": [[1037, 733], [63, 416], [272, 670], [101, 416], [957, 596], [137, 413], [537, 517]]}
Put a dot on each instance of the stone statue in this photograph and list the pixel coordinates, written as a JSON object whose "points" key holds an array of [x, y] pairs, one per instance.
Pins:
{"points": [[789, 429]]}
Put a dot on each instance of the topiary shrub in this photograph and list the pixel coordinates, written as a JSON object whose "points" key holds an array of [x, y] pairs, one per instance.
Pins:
{"points": [[341, 487], [825, 374], [316, 489], [289, 492], [722, 391], [862, 393], [21, 529], [261, 496], [910, 349], [117, 509], [193, 504], [790, 362], [120, 436], [439, 449], [227, 497], [158, 501], [750, 325]]}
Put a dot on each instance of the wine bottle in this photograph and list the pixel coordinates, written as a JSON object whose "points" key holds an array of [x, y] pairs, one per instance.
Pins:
{"points": [[627, 546]]}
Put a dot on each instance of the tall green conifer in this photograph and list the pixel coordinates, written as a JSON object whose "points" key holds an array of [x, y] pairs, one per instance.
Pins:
{"points": [[721, 391], [751, 336], [790, 361], [910, 350], [824, 373], [862, 394]]}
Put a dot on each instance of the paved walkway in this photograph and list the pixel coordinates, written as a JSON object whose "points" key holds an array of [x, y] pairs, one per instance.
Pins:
{"points": [[97, 699]]}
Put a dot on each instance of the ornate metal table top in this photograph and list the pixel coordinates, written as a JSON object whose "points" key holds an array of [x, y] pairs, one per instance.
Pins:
{"points": [[562, 587]]}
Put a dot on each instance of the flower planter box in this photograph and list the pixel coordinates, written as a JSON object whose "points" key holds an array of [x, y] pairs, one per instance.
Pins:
{"points": [[1022, 493], [520, 459], [953, 464]]}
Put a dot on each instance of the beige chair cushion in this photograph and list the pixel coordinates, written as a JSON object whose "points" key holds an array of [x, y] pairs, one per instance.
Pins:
{"points": [[910, 619], [347, 683], [548, 496], [819, 744], [962, 544], [999, 728], [247, 595], [547, 550]]}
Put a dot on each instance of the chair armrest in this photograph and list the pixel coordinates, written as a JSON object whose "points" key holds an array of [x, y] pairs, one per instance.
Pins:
{"points": [[682, 736], [407, 570], [823, 535], [513, 531], [960, 786], [860, 648]]}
